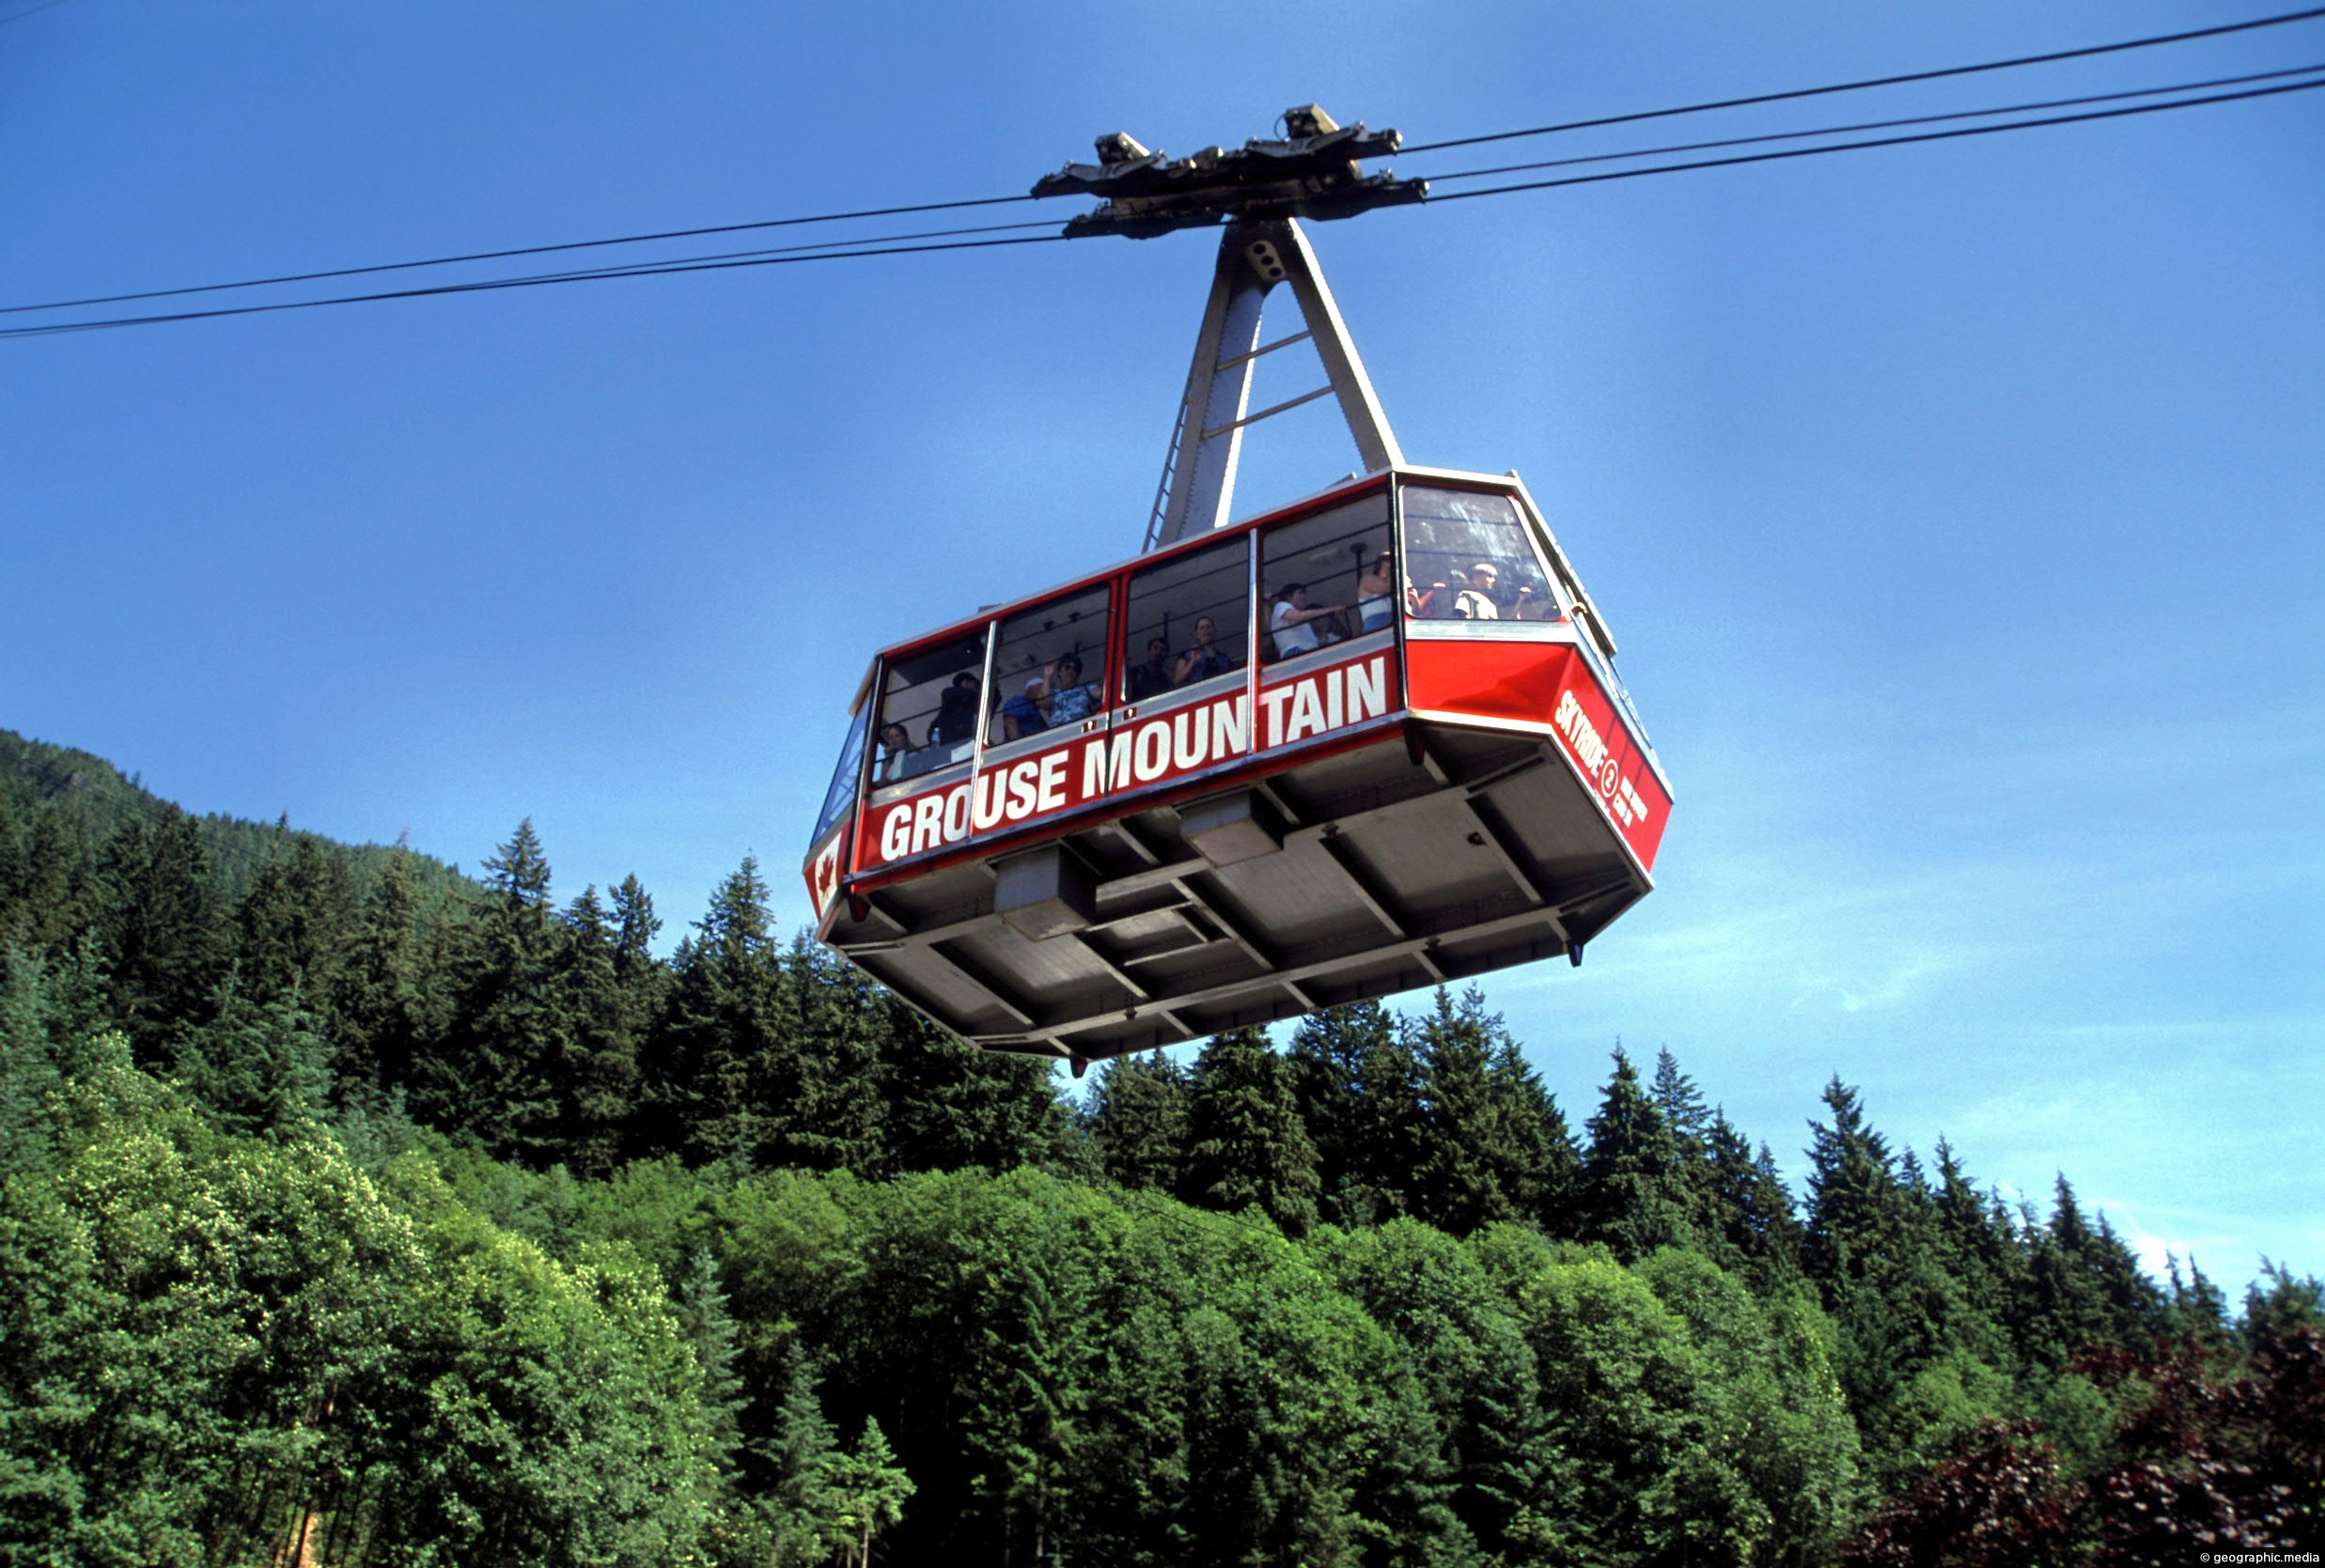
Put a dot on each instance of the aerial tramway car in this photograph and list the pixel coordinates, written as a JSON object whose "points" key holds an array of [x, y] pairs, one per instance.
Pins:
{"points": [[1363, 742]]}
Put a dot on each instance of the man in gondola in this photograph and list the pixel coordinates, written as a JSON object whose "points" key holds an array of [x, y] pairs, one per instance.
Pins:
{"points": [[1153, 677], [955, 713]]}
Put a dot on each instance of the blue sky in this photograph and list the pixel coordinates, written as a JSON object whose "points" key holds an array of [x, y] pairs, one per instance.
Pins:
{"points": [[1957, 507]]}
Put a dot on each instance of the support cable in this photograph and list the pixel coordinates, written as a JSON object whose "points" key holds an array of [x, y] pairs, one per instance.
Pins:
{"points": [[641, 271], [1881, 124], [947, 240], [2084, 53], [522, 250], [1882, 141]]}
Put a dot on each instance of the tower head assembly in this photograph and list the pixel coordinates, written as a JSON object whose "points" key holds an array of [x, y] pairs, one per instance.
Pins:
{"points": [[1314, 170]]}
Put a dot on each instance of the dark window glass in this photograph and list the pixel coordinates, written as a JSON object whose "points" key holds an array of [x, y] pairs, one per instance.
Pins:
{"points": [[1049, 668], [1187, 621], [1471, 559], [841, 797], [1326, 578], [928, 709]]}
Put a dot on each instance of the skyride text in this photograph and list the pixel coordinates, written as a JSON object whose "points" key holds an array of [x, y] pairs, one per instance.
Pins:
{"points": [[1133, 755]]}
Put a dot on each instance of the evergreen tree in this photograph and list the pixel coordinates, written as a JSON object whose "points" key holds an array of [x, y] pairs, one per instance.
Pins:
{"points": [[376, 1003], [710, 1327], [39, 1020], [1976, 1251], [500, 1075], [1247, 1144], [2275, 1317], [793, 1519], [260, 1068], [819, 1077], [2198, 1309], [1747, 1218], [600, 1072], [870, 1490], [643, 980], [1026, 1384], [1358, 1086], [1497, 1146], [946, 1105], [159, 897], [708, 1080], [1459, 1185], [1853, 1207], [1141, 1111], [1540, 1170], [2082, 1288], [1634, 1195], [1681, 1104], [292, 924]]}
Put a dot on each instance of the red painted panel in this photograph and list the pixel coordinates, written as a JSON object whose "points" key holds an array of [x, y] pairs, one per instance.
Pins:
{"points": [[1629, 792], [1548, 683], [1492, 680]]}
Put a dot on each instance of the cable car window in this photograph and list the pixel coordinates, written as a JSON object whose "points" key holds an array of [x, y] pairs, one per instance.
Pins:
{"points": [[928, 709], [841, 798], [1327, 579], [1049, 668], [1188, 621], [1469, 558]]}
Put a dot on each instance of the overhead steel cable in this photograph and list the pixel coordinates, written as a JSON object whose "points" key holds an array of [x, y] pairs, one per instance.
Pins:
{"points": [[31, 10], [520, 250], [649, 238], [1881, 141], [889, 244], [640, 269], [2083, 53], [531, 281], [1883, 124]]}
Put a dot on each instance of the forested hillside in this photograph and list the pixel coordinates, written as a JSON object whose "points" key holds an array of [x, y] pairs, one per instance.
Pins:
{"points": [[353, 1211]]}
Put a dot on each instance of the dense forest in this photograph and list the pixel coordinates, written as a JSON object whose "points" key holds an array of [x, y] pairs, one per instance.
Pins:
{"points": [[353, 1211]]}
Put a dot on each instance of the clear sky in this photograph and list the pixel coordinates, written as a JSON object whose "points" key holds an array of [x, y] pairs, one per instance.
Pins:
{"points": [[1957, 507]]}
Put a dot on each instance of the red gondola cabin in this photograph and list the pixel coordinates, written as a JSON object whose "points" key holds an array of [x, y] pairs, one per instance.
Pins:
{"points": [[1367, 742]]}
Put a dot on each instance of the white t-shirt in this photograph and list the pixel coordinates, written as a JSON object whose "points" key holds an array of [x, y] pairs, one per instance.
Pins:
{"points": [[1291, 636], [1473, 604]]}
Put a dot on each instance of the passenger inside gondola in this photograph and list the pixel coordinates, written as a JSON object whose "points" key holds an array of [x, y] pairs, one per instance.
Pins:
{"points": [[1471, 559], [1325, 568], [895, 743], [1025, 714], [956, 714], [1040, 656], [1476, 602], [929, 694], [1153, 677], [1375, 591], [1071, 702], [1197, 604], [1205, 656], [1299, 626]]}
